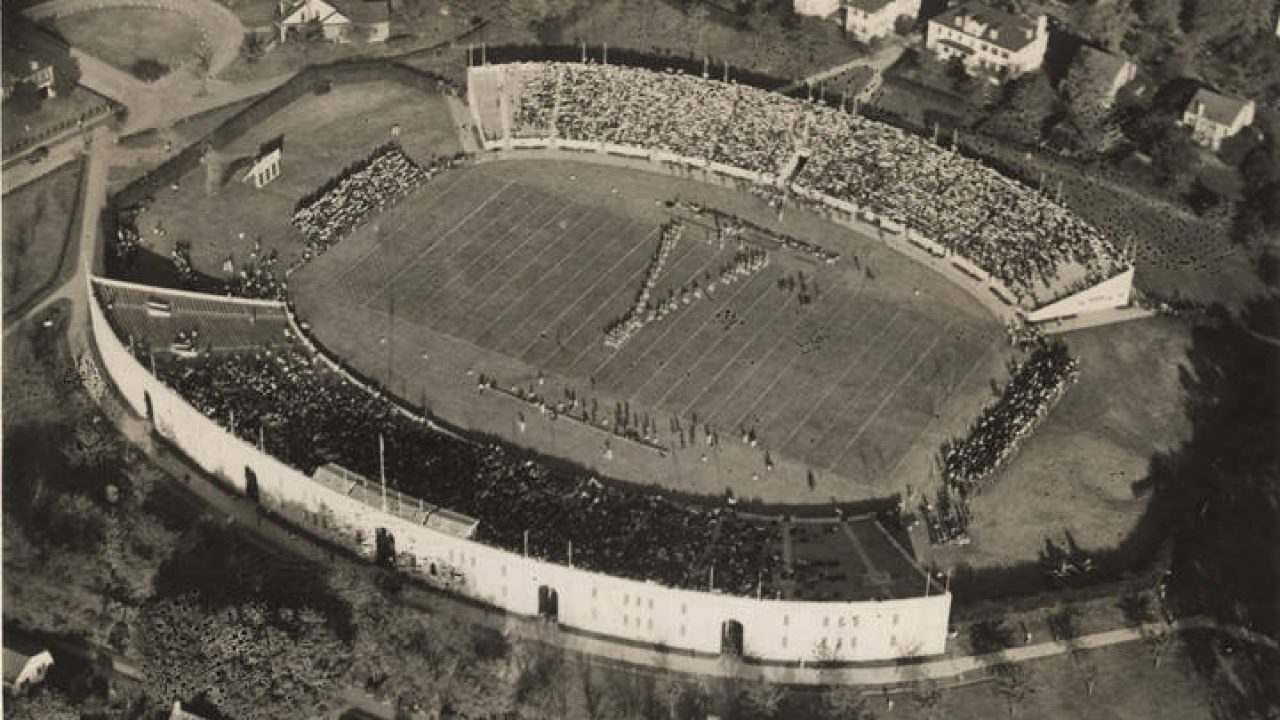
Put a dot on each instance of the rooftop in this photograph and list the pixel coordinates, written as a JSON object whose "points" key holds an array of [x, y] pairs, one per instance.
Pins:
{"points": [[997, 27], [1218, 108], [869, 6], [1100, 63]]}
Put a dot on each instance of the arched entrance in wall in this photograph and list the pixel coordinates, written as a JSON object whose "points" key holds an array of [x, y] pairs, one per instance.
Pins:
{"points": [[151, 413], [548, 603], [731, 638], [251, 484], [385, 548]]}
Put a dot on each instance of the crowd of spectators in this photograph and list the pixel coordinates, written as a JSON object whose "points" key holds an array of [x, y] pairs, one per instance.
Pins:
{"points": [[1036, 386], [578, 408], [357, 193], [127, 240], [182, 265], [307, 415], [262, 277], [1019, 236]]}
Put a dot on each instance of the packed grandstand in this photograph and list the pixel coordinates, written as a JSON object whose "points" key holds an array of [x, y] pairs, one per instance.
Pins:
{"points": [[280, 393], [1037, 248]]}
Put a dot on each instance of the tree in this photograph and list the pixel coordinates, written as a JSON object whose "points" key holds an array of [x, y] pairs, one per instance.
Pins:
{"points": [[990, 636], [253, 47], [1012, 681], [927, 698], [1028, 103], [248, 661], [843, 703], [1174, 158], [1106, 22], [25, 99], [45, 703], [1202, 198]]}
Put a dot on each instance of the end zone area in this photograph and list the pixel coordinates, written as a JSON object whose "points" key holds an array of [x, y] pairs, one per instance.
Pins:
{"points": [[512, 270]]}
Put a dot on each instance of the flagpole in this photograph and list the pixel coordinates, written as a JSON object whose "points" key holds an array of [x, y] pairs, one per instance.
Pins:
{"points": [[382, 470]]}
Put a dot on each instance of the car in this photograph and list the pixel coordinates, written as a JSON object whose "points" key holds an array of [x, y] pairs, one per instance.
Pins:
{"points": [[38, 154]]}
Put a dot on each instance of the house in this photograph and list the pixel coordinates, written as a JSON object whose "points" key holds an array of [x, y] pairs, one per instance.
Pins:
{"points": [[987, 39], [1098, 75], [29, 54], [335, 20], [867, 20], [817, 8], [1214, 118], [266, 164], [25, 664]]}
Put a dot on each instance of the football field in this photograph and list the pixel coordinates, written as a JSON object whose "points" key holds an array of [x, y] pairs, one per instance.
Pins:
{"points": [[513, 270]]}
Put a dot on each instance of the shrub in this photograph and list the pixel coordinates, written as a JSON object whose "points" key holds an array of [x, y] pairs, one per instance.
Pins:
{"points": [[149, 69]]}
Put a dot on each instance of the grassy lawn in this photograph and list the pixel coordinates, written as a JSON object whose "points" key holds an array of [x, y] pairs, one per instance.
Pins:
{"points": [[1076, 473], [322, 135], [1128, 686], [123, 36], [153, 146], [17, 127], [501, 269], [37, 228], [760, 42]]}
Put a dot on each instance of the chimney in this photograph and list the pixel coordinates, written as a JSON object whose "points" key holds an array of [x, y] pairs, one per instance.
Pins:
{"points": [[35, 66]]}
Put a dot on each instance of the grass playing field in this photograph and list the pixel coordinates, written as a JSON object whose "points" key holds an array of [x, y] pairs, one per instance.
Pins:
{"points": [[513, 269]]}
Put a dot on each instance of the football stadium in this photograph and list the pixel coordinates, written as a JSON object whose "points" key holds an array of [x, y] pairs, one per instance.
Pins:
{"points": [[530, 325]]}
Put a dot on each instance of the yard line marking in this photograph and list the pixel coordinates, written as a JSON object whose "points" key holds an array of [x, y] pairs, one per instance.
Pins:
{"points": [[429, 287], [561, 284], [555, 241], [823, 400], [894, 391], [603, 276], [901, 458], [551, 277], [782, 341], [779, 342], [377, 241], [689, 338], [544, 273], [675, 321], [463, 299], [390, 283], [626, 285], [734, 360], [703, 355], [404, 268], [522, 213], [765, 421], [475, 283], [862, 387], [562, 344]]}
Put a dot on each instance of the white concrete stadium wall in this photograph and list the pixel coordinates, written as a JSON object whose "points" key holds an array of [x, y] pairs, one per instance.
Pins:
{"points": [[1106, 295], [592, 602]]}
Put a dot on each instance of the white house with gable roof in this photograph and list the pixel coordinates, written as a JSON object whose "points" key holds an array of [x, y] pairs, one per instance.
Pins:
{"points": [[987, 39]]}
